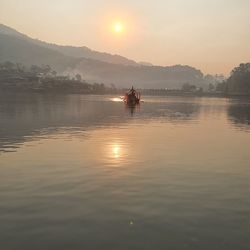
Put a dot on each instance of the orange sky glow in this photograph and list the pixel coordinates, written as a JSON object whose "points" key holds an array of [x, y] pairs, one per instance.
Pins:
{"points": [[210, 35]]}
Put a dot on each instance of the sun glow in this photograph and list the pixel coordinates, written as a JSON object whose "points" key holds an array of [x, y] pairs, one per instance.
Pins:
{"points": [[119, 31], [118, 27]]}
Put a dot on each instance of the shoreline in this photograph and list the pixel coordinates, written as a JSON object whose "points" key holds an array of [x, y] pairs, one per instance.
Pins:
{"points": [[120, 92]]}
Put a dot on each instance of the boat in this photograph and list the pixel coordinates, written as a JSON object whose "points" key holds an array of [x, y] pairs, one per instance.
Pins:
{"points": [[132, 97]]}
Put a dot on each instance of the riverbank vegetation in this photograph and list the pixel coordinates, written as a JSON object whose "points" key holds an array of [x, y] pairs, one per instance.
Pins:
{"points": [[238, 82], [17, 77]]}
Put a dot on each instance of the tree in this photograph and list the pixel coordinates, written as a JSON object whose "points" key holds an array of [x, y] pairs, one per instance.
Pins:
{"points": [[186, 87], [78, 77], [46, 69], [20, 67], [211, 87], [9, 65], [36, 69], [239, 80], [221, 87]]}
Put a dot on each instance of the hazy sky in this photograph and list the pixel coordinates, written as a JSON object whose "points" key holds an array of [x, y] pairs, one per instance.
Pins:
{"points": [[212, 35]]}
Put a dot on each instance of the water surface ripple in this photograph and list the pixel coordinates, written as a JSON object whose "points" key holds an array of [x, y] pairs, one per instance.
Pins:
{"points": [[86, 172]]}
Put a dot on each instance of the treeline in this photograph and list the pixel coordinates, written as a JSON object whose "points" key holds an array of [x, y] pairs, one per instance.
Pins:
{"points": [[238, 82], [15, 76]]}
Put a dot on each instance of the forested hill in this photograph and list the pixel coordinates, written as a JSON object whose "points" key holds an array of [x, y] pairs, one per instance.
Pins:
{"points": [[70, 50], [94, 67]]}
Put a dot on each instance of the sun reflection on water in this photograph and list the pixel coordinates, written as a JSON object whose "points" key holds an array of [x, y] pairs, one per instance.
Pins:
{"points": [[116, 99], [116, 151]]}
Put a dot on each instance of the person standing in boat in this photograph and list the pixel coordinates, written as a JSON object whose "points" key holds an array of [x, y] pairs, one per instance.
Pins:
{"points": [[132, 91]]}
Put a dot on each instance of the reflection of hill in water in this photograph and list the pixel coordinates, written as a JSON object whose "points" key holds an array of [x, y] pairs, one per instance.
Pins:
{"points": [[27, 117], [239, 114]]}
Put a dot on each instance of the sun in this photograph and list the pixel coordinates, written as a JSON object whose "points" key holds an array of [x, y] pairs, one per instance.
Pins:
{"points": [[118, 27]]}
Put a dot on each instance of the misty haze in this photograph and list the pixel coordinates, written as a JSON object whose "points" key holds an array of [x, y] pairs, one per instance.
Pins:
{"points": [[124, 125]]}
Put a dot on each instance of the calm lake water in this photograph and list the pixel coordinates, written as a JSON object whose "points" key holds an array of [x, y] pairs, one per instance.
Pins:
{"points": [[85, 172]]}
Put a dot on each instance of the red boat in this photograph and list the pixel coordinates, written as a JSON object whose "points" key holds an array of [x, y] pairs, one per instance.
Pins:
{"points": [[132, 97]]}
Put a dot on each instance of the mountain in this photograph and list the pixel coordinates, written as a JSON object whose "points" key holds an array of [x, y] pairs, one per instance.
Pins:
{"points": [[140, 76], [145, 63], [71, 51], [18, 50], [92, 65]]}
